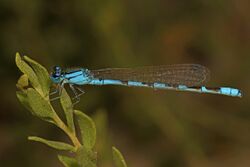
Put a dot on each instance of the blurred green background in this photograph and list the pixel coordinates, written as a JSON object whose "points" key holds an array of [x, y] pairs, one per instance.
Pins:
{"points": [[151, 128]]}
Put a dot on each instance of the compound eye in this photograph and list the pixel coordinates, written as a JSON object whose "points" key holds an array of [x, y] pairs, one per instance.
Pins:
{"points": [[56, 71], [56, 68]]}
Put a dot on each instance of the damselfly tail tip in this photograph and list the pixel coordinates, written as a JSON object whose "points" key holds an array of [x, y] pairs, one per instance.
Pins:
{"points": [[240, 94], [236, 93]]}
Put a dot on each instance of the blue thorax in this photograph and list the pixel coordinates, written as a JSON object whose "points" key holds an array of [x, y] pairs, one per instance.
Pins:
{"points": [[76, 76]]}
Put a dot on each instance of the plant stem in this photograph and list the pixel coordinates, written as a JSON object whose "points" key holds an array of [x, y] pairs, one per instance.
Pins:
{"points": [[70, 134]]}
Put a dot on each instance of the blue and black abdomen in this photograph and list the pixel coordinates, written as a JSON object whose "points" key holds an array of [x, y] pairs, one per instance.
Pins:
{"points": [[182, 77]]}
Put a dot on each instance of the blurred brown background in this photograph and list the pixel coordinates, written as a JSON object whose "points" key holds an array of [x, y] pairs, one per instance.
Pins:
{"points": [[151, 128]]}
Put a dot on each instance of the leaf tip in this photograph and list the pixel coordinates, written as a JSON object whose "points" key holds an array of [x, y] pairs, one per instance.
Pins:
{"points": [[118, 158], [18, 58], [22, 82], [31, 137]]}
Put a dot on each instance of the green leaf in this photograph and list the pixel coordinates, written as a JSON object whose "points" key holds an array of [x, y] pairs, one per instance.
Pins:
{"points": [[26, 69], [68, 109], [68, 161], [103, 139], [87, 129], [86, 157], [54, 144], [41, 107], [23, 98], [42, 75], [22, 82], [118, 158]]}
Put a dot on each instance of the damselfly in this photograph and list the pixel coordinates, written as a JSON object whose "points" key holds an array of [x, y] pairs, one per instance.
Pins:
{"points": [[179, 77]]}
